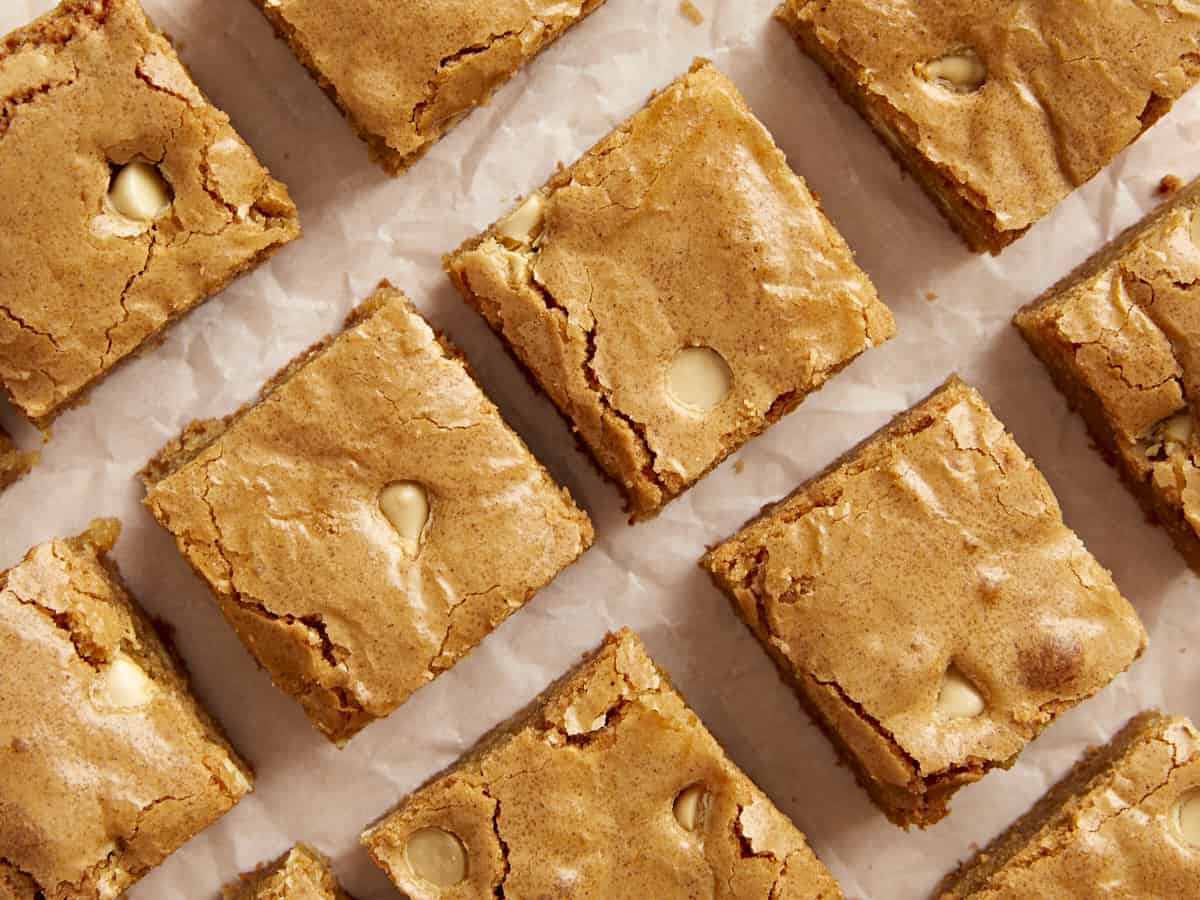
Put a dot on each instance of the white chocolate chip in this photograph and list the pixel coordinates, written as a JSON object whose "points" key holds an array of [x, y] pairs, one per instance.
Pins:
{"points": [[690, 806], [523, 224], [958, 698], [1187, 818], [139, 192], [698, 379], [122, 685], [406, 505], [1170, 435], [961, 71], [436, 856], [1179, 428], [1195, 231]]}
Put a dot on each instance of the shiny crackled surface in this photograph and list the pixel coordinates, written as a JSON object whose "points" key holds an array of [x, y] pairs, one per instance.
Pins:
{"points": [[938, 548], [282, 515], [1068, 84], [578, 797], [106, 763], [684, 228], [83, 92], [1129, 332], [455, 53], [1120, 832], [301, 874]]}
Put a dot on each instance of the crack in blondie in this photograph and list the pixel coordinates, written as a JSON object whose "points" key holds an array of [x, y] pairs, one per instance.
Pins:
{"points": [[597, 387], [446, 66], [124, 297]]}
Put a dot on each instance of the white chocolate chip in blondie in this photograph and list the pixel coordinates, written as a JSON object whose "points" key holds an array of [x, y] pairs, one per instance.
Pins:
{"points": [[1195, 230], [1186, 815], [406, 506], [958, 698], [690, 806], [122, 685], [961, 71], [139, 192], [698, 379], [523, 224], [436, 856]]}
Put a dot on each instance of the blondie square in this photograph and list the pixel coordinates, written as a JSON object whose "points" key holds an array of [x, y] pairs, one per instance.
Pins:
{"points": [[999, 109], [1121, 337], [300, 874], [676, 291], [107, 762], [368, 520], [13, 463], [607, 785], [927, 603], [404, 72], [1127, 818], [128, 199]]}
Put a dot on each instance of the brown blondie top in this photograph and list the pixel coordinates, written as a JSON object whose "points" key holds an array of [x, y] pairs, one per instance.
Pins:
{"points": [[369, 520], [676, 291], [107, 762], [300, 874], [84, 91], [1002, 108], [607, 785], [13, 462], [1126, 817], [406, 71], [928, 604], [1121, 336]]}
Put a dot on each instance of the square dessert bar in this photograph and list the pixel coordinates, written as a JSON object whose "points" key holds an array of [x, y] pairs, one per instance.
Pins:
{"points": [[1121, 337], [404, 72], [128, 199], [108, 764], [368, 520], [1127, 818], [927, 603], [607, 785], [676, 291], [1001, 109], [13, 463], [300, 874]]}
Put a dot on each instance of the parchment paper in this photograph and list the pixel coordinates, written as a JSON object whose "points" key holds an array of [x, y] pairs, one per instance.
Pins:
{"points": [[362, 226]]}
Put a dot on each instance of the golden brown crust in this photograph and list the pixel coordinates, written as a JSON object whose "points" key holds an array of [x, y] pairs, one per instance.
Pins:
{"points": [[13, 462], [278, 507], [302, 873], [904, 561], [400, 93], [95, 691], [1109, 821], [83, 288], [683, 228], [576, 793], [1120, 337], [1021, 129]]}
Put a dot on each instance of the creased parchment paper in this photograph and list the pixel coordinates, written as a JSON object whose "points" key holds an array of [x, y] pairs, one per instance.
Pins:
{"points": [[361, 226]]}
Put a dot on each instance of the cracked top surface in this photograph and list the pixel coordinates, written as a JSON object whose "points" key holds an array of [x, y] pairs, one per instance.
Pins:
{"points": [[88, 87], [301, 874], [1069, 84], [96, 786], [407, 70], [280, 512], [575, 797], [1127, 329], [1115, 828], [936, 543], [684, 227]]}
